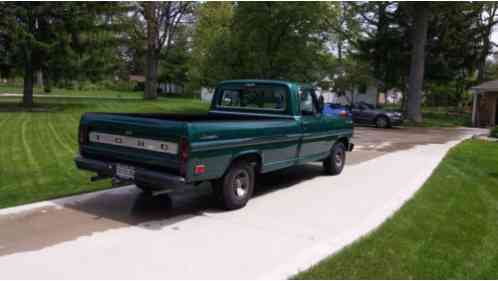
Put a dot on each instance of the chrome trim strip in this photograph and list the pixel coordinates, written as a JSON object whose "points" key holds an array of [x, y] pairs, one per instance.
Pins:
{"points": [[253, 114], [138, 143]]}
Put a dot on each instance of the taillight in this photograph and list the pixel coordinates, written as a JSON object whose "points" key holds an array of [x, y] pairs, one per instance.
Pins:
{"points": [[83, 134], [344, 114], [183, 154]]}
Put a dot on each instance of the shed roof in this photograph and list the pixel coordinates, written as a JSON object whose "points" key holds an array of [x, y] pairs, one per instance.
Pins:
{"points": [[486, 87], [137, 78]]}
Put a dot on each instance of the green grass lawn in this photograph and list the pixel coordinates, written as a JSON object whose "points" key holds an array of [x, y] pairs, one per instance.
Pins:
{"points": [[37, 147], [11, 89], [438, 117], [449, 230], [443, 117]]}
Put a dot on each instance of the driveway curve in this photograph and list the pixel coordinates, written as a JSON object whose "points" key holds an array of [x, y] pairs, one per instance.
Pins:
{"points": [[297, 217]]}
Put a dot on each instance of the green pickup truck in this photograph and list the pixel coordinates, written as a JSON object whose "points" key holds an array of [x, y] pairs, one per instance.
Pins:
{"points": [[253, 127]]}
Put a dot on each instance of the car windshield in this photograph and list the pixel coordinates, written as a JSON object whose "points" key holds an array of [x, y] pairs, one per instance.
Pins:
{"points": [[364, 105]]}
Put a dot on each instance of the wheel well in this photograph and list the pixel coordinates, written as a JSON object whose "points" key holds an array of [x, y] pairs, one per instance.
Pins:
{"points": [[251, 158], [382, 116], [344, 141]]}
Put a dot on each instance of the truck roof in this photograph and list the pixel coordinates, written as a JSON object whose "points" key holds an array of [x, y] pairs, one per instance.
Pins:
{"points": [[278, 82]]}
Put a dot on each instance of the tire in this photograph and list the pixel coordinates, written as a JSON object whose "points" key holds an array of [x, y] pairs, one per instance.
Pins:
{"points": [[334, 163], [382, 122], [236, 187]]}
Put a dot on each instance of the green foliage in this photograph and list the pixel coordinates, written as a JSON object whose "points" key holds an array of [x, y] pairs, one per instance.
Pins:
{"points": [[455, 43], [450, 93], [494, 132], [66, 41], [269, 40], [212, 51], [448, 230]]}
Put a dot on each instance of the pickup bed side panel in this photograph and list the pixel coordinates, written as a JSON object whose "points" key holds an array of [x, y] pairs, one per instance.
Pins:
{"points": [[215, 146]]}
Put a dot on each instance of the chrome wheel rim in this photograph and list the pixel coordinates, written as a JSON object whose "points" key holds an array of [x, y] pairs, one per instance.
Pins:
{"points": [[339, 158], [240, 184], [381, 122]]}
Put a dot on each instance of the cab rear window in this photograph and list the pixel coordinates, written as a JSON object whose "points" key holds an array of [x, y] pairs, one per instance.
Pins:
{"points": [[257, 97]]}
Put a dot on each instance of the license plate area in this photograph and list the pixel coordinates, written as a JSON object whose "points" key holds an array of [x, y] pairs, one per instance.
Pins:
{"points": [[125, 171]]}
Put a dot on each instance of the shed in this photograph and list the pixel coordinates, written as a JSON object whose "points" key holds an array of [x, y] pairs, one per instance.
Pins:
{"points": [[485, 103]]}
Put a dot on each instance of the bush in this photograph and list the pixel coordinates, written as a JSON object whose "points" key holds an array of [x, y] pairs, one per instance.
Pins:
{"points": [[494, 132]]}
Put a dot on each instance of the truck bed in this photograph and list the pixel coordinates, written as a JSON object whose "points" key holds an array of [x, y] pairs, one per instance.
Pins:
{"points": [[200, 129]]}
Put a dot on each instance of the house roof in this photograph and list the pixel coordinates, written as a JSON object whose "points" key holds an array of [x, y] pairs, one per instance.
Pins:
{"points": [[486, 87], [138, 78]]}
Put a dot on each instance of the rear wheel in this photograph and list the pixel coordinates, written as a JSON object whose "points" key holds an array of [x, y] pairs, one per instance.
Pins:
{"points": [[334, 163], [235, 188], [382, 122]]}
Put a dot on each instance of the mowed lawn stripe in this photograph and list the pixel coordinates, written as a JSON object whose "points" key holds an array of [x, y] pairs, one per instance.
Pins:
{"points": [[26, 127], [58, 137], [37, 148], [4, 149], [17, 163]]}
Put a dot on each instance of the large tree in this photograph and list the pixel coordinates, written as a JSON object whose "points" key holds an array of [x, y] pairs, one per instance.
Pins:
{"points": [[27, 25], [54, 38], [268, 40], [213, 55], [421, 15], [488, 18], [159, 23]]}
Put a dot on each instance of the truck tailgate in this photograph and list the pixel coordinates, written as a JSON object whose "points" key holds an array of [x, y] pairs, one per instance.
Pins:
{"points": [[140, 141]]}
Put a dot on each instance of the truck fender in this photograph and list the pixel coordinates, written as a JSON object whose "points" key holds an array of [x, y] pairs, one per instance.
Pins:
{"points": [[343, 140], [253, 155]]}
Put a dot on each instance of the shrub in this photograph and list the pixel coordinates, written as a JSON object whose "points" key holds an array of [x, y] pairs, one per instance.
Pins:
{"points": [[494, 132]]}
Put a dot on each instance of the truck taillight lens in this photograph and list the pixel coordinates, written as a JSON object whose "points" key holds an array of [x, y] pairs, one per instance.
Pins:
{"points": [[183, 149], [183, 155], [83, 134]]}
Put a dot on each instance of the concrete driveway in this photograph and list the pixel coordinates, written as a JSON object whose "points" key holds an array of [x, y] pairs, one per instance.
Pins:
{"points": [[298, 216]]}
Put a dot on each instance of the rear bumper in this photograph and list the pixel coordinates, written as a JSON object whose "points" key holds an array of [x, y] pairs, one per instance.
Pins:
{"points": [[396, 121], [142, 176]]}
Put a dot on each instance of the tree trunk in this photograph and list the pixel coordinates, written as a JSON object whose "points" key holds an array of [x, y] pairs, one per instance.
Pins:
{"points": [[27, 98], [152, 62], [416, 78], [481, 65], [47, 86], [153, 49]]}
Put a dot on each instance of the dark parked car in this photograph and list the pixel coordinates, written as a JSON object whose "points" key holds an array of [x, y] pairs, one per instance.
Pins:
{"points": [[365, 113]]}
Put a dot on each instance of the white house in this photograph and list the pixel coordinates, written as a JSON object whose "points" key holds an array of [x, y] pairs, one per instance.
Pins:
{"points": [[368, 94]]}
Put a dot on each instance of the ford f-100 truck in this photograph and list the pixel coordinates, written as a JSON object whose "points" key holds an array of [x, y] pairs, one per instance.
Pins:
{"points": [[253, 127]]}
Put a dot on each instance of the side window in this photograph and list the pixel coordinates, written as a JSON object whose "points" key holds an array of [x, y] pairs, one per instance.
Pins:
{"points": [[230, 98], [308, 105]]}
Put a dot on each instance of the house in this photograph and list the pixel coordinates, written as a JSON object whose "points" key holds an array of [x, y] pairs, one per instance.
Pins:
{"points": [[162, 87], [485, 103], [207, 94], [366, 93]]}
